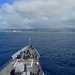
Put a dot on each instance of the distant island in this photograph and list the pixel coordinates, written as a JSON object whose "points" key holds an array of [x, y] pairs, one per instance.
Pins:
{"points": [[37, 30], [25, 30]]}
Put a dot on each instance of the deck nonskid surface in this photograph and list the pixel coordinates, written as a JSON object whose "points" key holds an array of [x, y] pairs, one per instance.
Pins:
{"points": [[8, 68]]}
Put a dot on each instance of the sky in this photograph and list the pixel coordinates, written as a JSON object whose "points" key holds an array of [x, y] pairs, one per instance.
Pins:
{"points": [[37, 14]]}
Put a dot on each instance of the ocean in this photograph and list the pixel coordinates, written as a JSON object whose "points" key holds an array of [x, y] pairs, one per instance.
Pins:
{"points": [[57, 49]]}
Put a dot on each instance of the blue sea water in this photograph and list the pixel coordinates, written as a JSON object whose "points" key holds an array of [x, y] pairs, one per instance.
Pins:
{"points": [[57, 50]]}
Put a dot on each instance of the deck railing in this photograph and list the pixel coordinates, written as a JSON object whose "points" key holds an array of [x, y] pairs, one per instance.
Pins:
{"points": [[37, 52]]}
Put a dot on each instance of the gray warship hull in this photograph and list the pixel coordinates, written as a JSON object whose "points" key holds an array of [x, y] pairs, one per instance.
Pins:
{"points": [[24, 62]]}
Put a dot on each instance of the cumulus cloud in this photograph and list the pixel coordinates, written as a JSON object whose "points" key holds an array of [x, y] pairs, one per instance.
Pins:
{"points": [[53, 14]]}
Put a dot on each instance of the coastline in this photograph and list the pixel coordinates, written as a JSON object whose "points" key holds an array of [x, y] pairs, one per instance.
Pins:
{"points": [[37, 31]]}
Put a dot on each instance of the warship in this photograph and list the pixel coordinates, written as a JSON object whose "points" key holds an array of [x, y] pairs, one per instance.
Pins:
{"points": [[24, 62]]}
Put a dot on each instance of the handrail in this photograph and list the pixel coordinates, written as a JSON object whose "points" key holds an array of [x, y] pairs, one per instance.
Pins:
{"points": [[37, 52]]}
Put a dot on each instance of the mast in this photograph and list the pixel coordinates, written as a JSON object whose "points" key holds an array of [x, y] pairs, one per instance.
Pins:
{"points": [[29, 41]]}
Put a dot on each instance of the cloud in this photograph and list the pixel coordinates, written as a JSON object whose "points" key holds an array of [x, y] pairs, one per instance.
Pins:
{"points": [[24, 14]]}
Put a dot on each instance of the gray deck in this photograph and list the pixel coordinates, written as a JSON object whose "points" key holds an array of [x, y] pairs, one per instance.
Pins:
{"points": [[8, 68], [34, 68]]}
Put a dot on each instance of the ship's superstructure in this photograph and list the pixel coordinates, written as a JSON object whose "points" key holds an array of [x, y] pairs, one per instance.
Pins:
{"points": [[25, 62]]}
